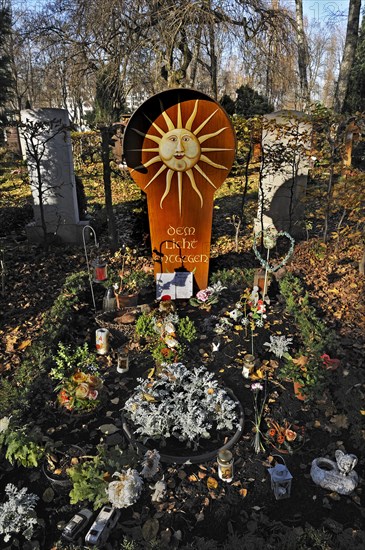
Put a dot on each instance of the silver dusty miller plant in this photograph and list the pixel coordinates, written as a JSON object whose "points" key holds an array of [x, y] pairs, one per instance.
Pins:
{"points": [[183, 403], [279, 345], [17, 514]]}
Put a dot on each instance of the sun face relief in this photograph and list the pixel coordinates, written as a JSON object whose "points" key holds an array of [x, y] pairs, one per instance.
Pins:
{"points": [[179, 150]]}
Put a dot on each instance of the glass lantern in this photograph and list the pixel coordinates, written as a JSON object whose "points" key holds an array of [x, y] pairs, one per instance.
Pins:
{"points": [[248, 365], [100, 271], [281, 480]]}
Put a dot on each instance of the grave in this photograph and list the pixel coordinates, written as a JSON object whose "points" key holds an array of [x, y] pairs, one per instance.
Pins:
{"points": [[286, 150], [13, 141], [46, 145], [179, 147]]}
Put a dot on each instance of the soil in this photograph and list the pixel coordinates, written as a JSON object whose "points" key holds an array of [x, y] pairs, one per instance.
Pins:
{"points": [[194, 511]]}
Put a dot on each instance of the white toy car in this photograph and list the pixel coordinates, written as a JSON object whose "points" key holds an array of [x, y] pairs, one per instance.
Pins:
{"points": [[78, 524], [104, 523]]}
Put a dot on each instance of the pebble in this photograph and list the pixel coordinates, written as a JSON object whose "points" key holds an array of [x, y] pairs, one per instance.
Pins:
{"points": [[48, 495], [108, 429]]}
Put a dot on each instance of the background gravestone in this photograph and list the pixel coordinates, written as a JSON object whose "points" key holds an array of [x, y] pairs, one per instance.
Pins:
{"points": [[286, 149], [13, 141], [45, 132]]}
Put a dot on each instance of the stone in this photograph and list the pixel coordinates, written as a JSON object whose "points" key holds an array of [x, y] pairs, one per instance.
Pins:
{"points": [[60, 204], [114, 439], [48, 495], [336, 476], [286, 143], [108, 429]]}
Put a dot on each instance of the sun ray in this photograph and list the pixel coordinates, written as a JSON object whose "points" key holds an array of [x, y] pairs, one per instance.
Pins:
{"points": [[170, 124], [169, 175], [208, 136], [156, 139], [163, 167], [190, 173], [179, 187], [203, 158], [189, 123], [197, 167], [196, 132], [179, 119]]}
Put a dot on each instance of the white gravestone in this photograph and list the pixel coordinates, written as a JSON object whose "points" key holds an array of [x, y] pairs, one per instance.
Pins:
{"points": [[286, 150], [46, 145]]}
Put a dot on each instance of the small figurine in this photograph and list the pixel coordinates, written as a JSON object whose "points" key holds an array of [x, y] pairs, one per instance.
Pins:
{"points": [[345, 462], [336, 476]]}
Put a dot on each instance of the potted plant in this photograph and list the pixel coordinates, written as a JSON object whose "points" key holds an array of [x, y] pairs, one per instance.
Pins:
{"points": [[127, 281], [166, 334], [90, 479], [58, 459], [79, 383], [182, 405], [307, 373]]}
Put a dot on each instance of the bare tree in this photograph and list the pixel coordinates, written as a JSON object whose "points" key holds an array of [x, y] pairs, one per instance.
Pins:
{"points": [[348, 57], [303, 56]]}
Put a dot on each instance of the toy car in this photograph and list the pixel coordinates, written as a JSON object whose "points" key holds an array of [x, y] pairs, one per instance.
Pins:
{"points": [[76, 526], [104, 523]]}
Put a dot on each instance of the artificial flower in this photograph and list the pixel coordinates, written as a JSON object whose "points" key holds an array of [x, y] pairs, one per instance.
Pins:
{"points": [[290, 435], [330, 364], [79, 377], [82, 391], [126, 491]]}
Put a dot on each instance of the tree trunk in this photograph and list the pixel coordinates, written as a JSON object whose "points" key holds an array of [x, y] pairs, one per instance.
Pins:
{"points": [[348, 54], [303, 57], [105, 138]]}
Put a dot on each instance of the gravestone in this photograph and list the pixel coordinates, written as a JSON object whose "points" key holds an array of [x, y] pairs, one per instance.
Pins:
{"points": [[12, 140], [46, 144], [286, 150], [179, 147]]}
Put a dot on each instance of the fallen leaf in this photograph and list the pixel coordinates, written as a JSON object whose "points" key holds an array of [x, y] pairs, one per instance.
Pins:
{"points": [[259, 374], [193, 477], [150, 529], [202, 475], [24, 344], [212, 483], [243, 492]]}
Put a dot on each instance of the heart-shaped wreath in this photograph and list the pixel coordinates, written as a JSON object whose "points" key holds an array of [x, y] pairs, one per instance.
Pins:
{"points": [[269, 267]]}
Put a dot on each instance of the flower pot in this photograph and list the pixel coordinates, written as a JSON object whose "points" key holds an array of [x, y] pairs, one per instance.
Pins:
{"points": [[127, 300], [191, 458], [61, 459], [297, 387]]}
